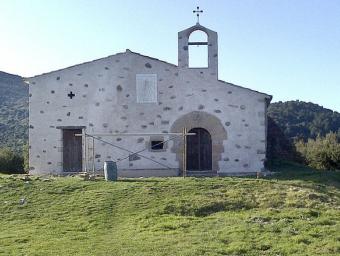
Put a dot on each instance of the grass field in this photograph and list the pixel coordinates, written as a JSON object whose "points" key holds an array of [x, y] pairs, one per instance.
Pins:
{"points": [[296, 212]]}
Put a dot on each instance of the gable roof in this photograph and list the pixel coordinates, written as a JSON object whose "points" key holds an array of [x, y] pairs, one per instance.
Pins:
{"points": [[26, 79], [127, 51], [245, 88]]}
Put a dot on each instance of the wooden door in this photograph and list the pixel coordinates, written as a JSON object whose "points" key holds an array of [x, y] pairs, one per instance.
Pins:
{"points": [[72, 150], [199, 150]]}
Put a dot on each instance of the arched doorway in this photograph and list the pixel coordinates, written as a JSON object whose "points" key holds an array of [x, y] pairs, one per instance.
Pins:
{"points": [[204, 120], [199, 150]]}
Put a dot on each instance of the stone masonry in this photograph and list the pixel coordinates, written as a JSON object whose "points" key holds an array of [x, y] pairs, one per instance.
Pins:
{"points": [[100, 97]]}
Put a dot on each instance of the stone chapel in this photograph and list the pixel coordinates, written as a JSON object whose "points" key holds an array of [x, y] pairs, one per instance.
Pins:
{"points": [[129, 103]]}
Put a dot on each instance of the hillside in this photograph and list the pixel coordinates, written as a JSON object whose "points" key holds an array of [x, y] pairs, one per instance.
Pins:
{"points": [[13, 111], [296, 119], [296, 213], [302, 120]]}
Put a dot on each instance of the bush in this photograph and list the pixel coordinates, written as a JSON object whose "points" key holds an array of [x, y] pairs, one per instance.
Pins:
{"points": [[25, 153], [321, 153], [11, 162]]}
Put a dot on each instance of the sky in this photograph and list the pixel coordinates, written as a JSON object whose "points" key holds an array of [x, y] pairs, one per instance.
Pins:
{"points": [[289, 49]]}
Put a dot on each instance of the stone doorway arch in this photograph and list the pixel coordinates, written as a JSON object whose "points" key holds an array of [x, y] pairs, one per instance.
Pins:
{"points": [[209, 122]]}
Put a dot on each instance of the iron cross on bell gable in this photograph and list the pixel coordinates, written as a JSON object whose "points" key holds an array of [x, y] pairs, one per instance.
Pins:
{"points": [[198, 11]]}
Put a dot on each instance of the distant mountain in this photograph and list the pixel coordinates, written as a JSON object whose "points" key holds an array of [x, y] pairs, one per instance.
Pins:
{"points": [[303, 120], [13, 111]]}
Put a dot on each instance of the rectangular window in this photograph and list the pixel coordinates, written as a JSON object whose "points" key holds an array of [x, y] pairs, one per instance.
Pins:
{"points": [[157, 145], [146, 88]]}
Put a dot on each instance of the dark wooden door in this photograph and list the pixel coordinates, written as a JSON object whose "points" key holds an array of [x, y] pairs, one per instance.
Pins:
{"points": [[72, 151], [199, 150]]}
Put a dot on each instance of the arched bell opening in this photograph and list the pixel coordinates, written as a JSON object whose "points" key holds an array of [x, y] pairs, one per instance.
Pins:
{"points": [[204, 41], [198, 49]]}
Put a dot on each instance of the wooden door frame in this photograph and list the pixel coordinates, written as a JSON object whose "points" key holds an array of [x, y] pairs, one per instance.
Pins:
{"points": [[82, 128]]}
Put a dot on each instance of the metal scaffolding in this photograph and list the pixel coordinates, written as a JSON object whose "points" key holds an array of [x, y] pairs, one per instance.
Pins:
{"points": [[98, 137]]}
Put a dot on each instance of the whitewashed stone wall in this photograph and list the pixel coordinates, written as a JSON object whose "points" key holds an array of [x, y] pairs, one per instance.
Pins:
{"points": [[105, 101]]}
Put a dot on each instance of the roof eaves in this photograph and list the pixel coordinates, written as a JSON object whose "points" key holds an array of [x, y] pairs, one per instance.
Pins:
{"points": [[86, 62], [155, 59], [238, 86], [126, 52]]}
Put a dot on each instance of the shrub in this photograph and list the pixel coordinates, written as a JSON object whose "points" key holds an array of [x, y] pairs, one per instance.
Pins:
{"points": [[321, 153], [10, 162], [25, 156]]}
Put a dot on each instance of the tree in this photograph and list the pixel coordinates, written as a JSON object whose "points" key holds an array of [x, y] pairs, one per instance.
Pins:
{"points": [[322, 152], [302, 120], [10, 162]]}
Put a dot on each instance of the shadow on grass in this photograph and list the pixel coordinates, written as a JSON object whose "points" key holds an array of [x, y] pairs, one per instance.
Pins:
{"points": [[285, 170]]}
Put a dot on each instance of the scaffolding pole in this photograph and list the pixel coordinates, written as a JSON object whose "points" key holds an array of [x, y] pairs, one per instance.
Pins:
{"points": [[85, 149], [135, 134], [93, 155], [185, 152], [84, 135]]}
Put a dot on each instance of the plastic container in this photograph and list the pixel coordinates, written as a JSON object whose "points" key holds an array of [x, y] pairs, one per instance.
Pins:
{"points": [[110, 171]]}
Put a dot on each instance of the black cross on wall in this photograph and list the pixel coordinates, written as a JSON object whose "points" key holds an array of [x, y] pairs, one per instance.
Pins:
{"points": [[71, 95]]}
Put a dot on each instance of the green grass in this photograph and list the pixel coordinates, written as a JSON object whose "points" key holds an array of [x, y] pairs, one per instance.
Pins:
{"points": [[296, 212]]}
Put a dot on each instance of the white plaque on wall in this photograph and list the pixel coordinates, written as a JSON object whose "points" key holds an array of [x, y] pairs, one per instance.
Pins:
{"points": [[146, 88]]}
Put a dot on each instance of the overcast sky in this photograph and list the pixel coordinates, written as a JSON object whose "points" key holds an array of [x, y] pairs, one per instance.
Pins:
{"points": [[289, 49]]}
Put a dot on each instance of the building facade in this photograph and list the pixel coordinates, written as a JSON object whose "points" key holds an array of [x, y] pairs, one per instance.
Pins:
{"points": [[130, 102]]}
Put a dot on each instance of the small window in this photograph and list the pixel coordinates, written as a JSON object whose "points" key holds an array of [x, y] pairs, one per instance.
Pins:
{"points": [[157, 144], [146, 88]]}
